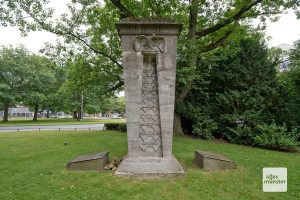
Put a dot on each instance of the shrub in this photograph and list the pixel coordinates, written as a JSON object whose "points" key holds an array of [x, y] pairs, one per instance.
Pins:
{"points": [[122, 127], [111, 126], [205, 127], [116, 126], [267, 136], [240, 135], [276, 137]]}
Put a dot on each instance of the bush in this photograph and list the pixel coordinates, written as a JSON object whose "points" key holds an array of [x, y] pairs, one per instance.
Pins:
{"points": [[111, 126], [267, 136], [204, 127], [242, 134], [116, 126], [122, 127], [276, 137]]}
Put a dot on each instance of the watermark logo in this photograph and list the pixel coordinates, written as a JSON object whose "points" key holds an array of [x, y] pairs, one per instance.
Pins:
{"points": [[274, 179]]}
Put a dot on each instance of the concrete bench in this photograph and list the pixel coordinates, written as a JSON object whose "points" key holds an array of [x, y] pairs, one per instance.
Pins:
{"points": [[95, 161], [211, 161]]}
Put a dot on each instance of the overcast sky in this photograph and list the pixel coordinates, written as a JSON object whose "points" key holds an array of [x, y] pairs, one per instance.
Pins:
{"points": [[284, 31]]}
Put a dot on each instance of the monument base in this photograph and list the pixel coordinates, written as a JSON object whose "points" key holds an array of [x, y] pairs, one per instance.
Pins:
{"points": [[150, 167]]}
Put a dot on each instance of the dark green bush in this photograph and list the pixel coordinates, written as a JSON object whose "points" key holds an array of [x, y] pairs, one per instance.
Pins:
{"points": [[204, 127], [122, 127], [276, 137], [239, 96], [111, 126], [116, 126], [267, 136], [242, 134]]}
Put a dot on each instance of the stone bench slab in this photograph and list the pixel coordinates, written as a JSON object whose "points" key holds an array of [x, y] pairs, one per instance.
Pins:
{"points": [[95, 162], [212, 161]]}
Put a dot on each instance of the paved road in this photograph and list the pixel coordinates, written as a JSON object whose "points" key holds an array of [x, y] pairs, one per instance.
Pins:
{"points": [[52, 127]]}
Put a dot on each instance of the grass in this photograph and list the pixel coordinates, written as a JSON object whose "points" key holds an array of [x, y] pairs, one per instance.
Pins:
{"points": [[56, 121], [33, 167]]}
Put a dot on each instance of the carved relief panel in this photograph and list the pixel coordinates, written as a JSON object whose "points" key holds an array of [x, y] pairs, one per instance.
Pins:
{"points": [[150, 138]]}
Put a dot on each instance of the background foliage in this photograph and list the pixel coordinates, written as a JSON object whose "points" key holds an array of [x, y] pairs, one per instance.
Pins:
{"points": [[227, 84]]}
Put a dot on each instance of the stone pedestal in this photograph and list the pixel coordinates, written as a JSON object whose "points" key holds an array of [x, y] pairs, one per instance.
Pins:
{"points": [[150, 167], [149, 60]]}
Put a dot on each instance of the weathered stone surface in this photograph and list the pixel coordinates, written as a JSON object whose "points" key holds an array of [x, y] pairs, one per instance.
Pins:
{"points": [[160, 27], [89, 162], [149, 60], [150, 167], [212, 161]]}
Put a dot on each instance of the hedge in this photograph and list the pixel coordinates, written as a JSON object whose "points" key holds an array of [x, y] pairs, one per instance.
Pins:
{"points": [[116, 126]]}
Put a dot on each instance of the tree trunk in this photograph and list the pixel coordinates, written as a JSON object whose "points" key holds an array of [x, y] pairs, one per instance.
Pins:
{"points": [[74, 114], [182, 92], [36, 109], [5, 116], [177, 125], [78, 114], [47, 115]]}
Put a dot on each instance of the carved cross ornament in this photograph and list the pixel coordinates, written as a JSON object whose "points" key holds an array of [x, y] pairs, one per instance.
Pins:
{"points": [[142, 43]]}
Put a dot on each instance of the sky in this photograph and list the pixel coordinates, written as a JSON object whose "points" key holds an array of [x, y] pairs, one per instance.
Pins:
{"points": [[284, 31]]}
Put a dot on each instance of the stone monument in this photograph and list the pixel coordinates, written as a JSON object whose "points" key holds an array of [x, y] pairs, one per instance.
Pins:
{"points": [[149, 60]]}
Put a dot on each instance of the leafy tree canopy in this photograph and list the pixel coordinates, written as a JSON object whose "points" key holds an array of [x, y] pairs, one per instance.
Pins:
{"points": [[88, 28]]}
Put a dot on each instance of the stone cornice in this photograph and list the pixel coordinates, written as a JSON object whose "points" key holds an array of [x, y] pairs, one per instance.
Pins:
{"points": [[148, 26]]}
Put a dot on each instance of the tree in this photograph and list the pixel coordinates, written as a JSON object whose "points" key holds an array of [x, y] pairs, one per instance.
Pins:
{"points": [[240, 99], [82, 80], [90, 28], [294, 56], [113, 105], [53, 101], [25, 79], [290, 85], [41, 82], [14, 76]]}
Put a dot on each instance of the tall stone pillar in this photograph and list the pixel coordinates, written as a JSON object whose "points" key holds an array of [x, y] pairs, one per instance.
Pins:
{"points": [[149, 60]]}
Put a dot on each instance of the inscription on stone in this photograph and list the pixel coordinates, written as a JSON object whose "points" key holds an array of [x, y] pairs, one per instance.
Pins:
{"points": [[150, 133]]}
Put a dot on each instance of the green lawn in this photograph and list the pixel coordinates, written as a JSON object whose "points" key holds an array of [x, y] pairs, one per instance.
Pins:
{"points": [[33, 167], [56, 121]]}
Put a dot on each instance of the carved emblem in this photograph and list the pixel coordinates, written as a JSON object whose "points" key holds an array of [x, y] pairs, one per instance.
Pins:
{"points": [[149, 43], [150, 133]]}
